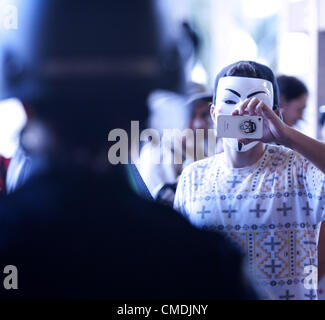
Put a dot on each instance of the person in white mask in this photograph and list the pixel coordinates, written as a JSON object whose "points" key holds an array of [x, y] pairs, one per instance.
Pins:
{"points": [[268, 195]]}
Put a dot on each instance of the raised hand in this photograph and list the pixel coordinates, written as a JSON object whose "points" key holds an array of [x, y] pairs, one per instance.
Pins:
{"points": [[274, 129]]}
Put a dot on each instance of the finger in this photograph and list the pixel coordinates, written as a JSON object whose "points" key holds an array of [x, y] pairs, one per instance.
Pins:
{"points": [[252, 106], [235, 112], [259, 108], [266, 112], [243, 107]]}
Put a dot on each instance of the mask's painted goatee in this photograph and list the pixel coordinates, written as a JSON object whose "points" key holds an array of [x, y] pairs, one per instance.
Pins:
{"points": [[240, 145]]}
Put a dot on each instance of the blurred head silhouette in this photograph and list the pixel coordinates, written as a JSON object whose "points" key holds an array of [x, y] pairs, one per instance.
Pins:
{"points": [[82, 68]]}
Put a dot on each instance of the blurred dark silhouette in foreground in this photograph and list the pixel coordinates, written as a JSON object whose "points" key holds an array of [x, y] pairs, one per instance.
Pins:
{"points": [[76, 230]]}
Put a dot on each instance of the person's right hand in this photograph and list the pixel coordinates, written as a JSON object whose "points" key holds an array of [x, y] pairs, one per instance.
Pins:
{"points": [[274, 129]]}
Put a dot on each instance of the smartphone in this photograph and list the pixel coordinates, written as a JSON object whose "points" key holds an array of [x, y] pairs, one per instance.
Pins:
{"points": [[249, 127]]}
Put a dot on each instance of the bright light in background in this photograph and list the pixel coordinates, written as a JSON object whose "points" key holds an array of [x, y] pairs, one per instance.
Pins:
{"points": [[259, 9], [12, 120], [239, 45], [294, 55], [199, 74]]}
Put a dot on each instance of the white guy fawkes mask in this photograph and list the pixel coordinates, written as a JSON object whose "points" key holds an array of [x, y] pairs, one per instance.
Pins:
{"points": [[232, 91]]}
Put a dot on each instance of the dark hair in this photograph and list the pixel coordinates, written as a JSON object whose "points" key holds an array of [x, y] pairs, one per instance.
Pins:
{"points": [[291, 87], [242, 69], [249, 69]]}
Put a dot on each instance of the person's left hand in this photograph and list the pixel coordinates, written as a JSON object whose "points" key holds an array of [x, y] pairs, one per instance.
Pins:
{"points": [[274, 129]]}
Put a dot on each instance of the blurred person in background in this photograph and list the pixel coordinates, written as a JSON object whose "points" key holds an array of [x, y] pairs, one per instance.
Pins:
{"points": [[293, 98], [161, 176], [75, 229]]}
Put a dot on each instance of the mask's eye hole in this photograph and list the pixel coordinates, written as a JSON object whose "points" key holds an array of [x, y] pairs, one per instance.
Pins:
{"points": [[230, 102]]}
